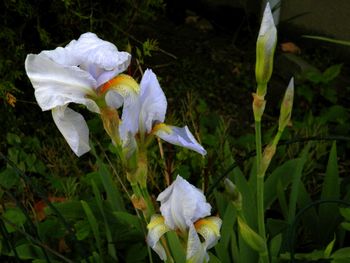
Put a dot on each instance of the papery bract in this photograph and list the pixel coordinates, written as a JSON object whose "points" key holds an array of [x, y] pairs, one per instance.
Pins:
{"points": [[73, 74]]}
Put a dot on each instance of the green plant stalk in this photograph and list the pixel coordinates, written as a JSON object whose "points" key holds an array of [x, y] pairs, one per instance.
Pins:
{"points": [[260, 192]]}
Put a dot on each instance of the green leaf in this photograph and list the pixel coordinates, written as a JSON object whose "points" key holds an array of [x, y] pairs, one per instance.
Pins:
{"points": [[111, 249], [329, 213], [341, 253], [213, 258], [296, 183], [69, 210], [126, 228], [254, 240], [275, 245], [345, 212], [15, 217], [329, 248], [227, 232], [177, 250], [83, 229], [9, 178], [13, 139], [332, 72], [93, 224], [283, 173], [51, 228], [29, 251], [346, 225], [136, 253], [113, 193]]}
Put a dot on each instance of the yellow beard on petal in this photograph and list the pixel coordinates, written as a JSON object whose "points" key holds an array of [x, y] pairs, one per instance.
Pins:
{"points": [[122, 83]]}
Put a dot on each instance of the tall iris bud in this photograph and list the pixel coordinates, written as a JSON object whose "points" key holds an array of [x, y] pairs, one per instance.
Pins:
{"points": [[265, 48], [286, 107]]}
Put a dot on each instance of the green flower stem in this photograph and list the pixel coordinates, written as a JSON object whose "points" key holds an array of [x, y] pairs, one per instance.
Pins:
{"points": [[260, 192]]}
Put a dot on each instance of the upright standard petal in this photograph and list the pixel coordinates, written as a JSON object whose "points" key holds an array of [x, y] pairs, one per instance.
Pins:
{"points": [[182, 204], [179, 136], [57, 85], [153, 102], [74, 129], [99, 57]]}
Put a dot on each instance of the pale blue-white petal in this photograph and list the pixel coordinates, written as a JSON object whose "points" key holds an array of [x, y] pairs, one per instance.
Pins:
{"points": [[73, 128], [196, 252], [100, 58], [57, 85], [182, 204], [181, 137], [153, 102]]}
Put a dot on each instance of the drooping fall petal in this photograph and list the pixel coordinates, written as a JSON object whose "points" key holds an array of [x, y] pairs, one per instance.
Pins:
{"points": [[73, 128], [57, 85], [180, 136], [156, 229]]}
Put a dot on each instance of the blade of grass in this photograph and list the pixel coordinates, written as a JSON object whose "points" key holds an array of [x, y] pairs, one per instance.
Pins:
{"points": [[93, 224], [111, 249], [329, 213], [296, 183]]}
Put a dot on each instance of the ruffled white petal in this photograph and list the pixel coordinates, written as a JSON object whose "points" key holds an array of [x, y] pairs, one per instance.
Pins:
{"points": [[156, 229], [196, 252], [57, 85], [73, 128], [153, 102], [100, 58], [182, 204], [181, 137]]}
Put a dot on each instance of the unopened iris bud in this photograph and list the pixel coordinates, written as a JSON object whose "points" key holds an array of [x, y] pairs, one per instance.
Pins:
{"points": [[269, 152], [286, 107], [233, 193], [265, 48]]}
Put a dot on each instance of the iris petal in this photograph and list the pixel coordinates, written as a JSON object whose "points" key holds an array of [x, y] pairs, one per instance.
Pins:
{"points": [[209, 229], [153, 102], [98, 57], [181, 137], [57, 85], [182, 204], [73, 127], [196, 252], [156, 229]]}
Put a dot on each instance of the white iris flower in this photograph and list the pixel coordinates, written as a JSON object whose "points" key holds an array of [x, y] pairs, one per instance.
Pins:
{"points": [[149, 114], [75, 74], [184, 209]]}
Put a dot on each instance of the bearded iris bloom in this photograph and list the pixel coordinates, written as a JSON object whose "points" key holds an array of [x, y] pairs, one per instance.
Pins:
{"points": [[148, 119], [75, 74], [185, 210]]}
